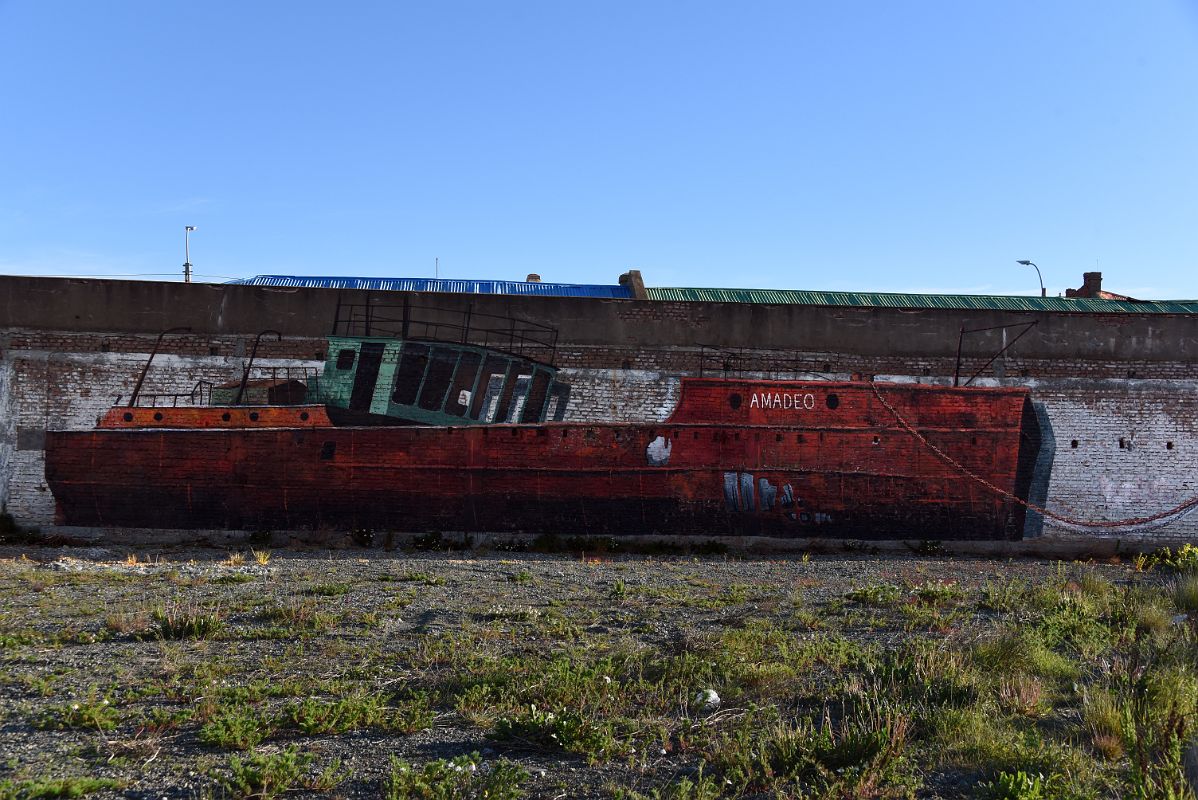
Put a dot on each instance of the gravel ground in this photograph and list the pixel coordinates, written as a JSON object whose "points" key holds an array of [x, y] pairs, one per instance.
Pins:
{"points": [[77, 627]]}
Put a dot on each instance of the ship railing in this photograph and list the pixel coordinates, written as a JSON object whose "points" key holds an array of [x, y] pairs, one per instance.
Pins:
{"points": [[725, 362], [524, 338], [200, 395], [301, 374]]}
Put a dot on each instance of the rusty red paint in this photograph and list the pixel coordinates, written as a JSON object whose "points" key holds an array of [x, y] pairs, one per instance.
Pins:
{"points": [[217, 417], [827, 462]]}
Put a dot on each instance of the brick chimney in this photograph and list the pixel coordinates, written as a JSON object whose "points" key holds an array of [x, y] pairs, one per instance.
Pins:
{"points": [[533, 278], [632, 279], [1091, 286]]}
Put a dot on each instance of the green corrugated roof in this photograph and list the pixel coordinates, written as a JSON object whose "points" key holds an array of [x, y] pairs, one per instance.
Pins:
{"points": [[988, 302]]}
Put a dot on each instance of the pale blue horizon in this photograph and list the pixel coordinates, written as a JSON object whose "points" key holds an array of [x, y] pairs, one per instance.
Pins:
{"points": [[869, 146]]}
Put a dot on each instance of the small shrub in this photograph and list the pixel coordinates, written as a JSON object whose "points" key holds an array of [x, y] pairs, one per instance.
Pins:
{"points": [[862, 755], [523, 576], [302, 614], [1153, 620], [880, 595], [261, 557], [266, 776], [93, 712], [937, 593], [566, 730], [130, 622], [1022, 695], [1019, 785], [703, 787], [1003, 596], [1014, 652], [236, 727], [235, 559], [1184, 560], [183, 621], [1103, 720], [333, 589], [48, 788], [1185, 594], [427, 578], [462, 778]]}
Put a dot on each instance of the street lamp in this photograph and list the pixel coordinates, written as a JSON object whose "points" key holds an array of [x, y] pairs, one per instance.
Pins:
{"points": [[1043, 293], [187, 229]]}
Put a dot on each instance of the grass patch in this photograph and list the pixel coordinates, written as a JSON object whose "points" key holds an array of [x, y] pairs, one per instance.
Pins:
{"points": [[330, 589], [461, 778], [48, 788], [184, 621], [266, 776]]}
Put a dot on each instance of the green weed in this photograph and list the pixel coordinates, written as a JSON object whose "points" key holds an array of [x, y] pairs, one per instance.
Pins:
{"points": [[331, 589], [462, 778], [426, 578], [880, 595], [1184, 592], [236, 727], [49, 788], [1019, 785], [265, 776], [185, 621], [93, 712]]}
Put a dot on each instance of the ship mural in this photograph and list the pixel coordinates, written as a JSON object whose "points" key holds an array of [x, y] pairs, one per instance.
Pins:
{"points": [[429, 421]]}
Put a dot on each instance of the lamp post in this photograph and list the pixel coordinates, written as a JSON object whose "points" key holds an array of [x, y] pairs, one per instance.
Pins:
{"points": [[187, 229], [1043, 293]]}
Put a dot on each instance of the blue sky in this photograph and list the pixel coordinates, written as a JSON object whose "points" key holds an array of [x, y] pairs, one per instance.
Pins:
{"points": [[917, 146]]}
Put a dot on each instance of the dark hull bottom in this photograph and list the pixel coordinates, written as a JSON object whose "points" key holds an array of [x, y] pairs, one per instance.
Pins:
{"points": [[162, 508]]}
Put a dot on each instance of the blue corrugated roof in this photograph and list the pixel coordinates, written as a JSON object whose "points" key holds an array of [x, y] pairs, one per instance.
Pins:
{"points": [[440, 285]]}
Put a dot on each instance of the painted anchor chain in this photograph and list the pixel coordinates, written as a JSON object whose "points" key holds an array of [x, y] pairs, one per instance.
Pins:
{"points": [[1153, 521]]}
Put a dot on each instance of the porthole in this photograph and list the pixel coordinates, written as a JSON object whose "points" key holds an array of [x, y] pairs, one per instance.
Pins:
{"points": [[832, 401], [158, 416], [735, 400], [128, 416], [253, 416], [226, 416], [304, 416]]}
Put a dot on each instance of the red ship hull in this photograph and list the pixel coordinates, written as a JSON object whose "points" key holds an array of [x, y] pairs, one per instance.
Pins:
{"points": [[737, 457]]}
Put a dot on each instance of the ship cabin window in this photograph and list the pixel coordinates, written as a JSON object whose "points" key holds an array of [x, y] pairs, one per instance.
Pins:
{"points": [[410, 373], [436, 378], [462, 387], [538, 392], [482, 404], [345, 359]]}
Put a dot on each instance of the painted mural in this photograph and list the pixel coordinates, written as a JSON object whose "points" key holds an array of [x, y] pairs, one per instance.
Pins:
{"points": [[434, 424]]}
